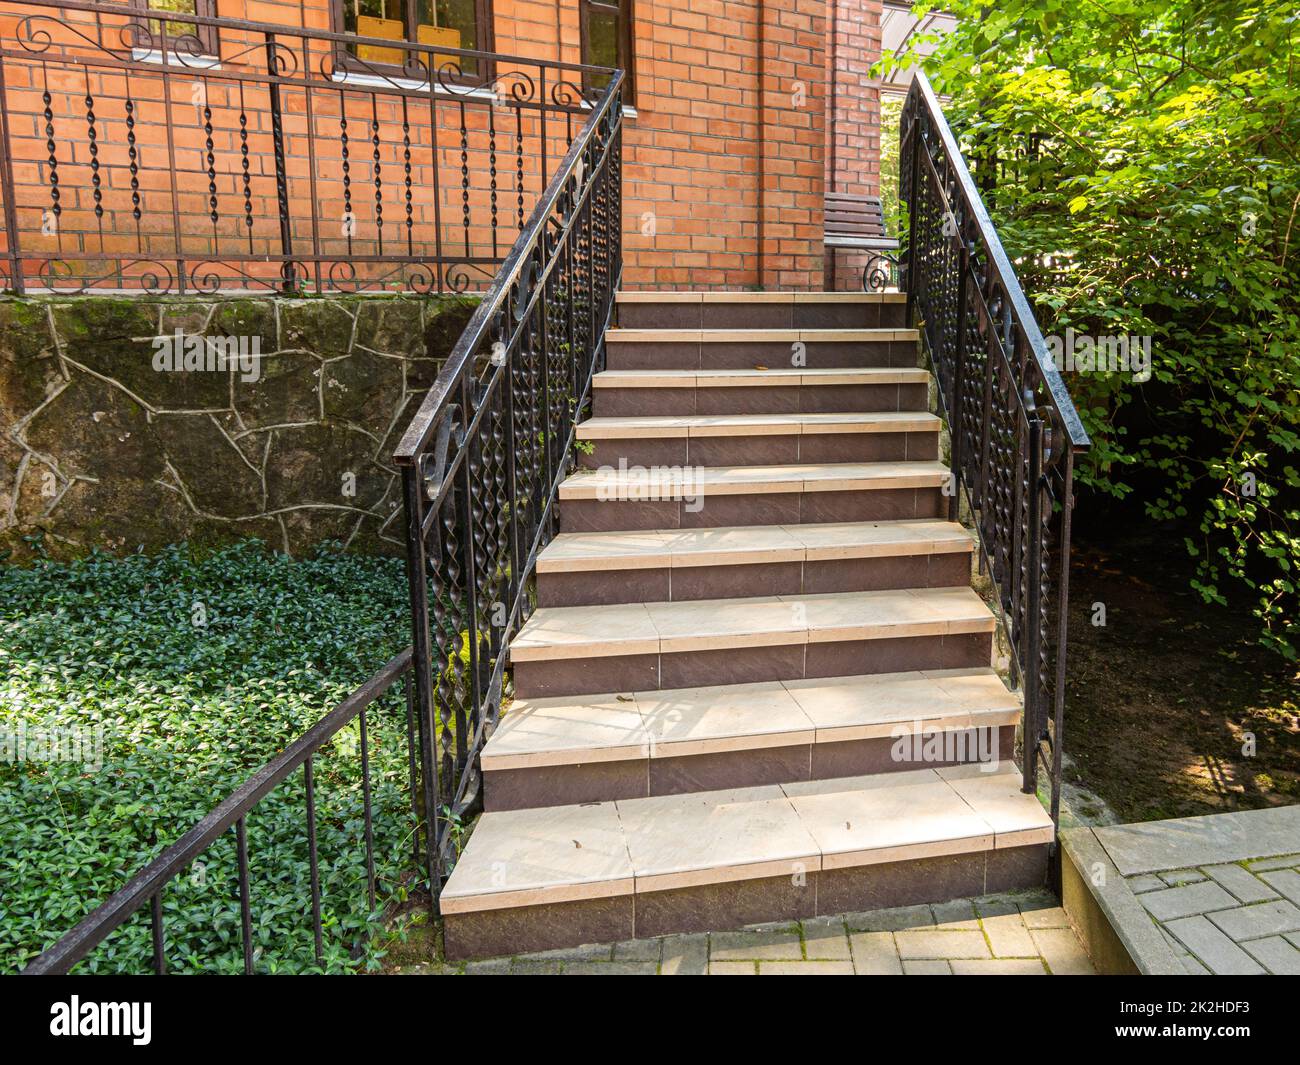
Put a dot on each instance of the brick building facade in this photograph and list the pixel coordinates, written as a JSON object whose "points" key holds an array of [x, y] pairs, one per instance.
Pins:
{"points": [[741, 115]]}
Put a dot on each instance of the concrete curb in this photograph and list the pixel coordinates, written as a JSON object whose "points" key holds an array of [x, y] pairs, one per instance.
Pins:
{"points": [[1115, 928]]}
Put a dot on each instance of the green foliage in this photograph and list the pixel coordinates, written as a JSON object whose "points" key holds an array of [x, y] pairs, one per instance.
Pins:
{"points": [[197, 670], [1165, 191]]}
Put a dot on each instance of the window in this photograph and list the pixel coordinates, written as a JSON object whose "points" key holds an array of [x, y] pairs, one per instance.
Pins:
{"points": [[450, 23], [206, 35], [607, 40]]}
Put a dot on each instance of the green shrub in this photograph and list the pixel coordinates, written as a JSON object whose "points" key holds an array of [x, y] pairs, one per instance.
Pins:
{"points": [[1165, 189], [197, 670]]}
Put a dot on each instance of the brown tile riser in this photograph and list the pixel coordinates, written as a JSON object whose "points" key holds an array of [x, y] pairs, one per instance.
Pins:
{"points": [[517, 789], [768, 449], [753, 399], [673, 315], [743, 665], [725, 355], [735, 904], [743, 581], [769, 508]]}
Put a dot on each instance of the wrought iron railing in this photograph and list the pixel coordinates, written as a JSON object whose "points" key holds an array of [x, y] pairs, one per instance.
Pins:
{"points": [[182, 153], [484, 457], [1014, 430], [149, 886]]}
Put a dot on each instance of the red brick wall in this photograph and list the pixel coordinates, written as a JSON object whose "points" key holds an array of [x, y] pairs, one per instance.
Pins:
{"points": [[725, 160]]}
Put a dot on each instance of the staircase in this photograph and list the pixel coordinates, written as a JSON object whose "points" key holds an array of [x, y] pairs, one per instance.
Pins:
{"points": [[757, 685]]}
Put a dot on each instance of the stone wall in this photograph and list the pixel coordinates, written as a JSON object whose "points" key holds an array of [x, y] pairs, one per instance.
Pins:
{"points": [[105, 443]]}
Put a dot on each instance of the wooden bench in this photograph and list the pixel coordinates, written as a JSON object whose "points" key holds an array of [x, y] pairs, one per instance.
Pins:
{"points": [[855, 223]]}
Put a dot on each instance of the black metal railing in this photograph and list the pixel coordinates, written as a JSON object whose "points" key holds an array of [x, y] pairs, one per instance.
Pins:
{"points": [[149, 886], [484, 457], [182, 153], [1014, 430]]}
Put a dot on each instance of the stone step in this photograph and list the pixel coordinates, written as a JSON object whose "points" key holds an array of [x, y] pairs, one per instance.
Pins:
{"points": [[671, 565], [745, 349], [712, 496], [637, 744], [561, 876], [776, 390], [759, 439], [760, 310], [652, 646]]}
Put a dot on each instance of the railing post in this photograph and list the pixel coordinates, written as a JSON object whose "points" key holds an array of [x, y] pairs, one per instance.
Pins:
{"points": [[1033, 675], [7, 189], [421, 657], [287, 272], [958, 379], [907, 279]]}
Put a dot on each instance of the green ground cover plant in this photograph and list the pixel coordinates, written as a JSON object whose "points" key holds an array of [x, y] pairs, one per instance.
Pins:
{"points": [[195, 669]]}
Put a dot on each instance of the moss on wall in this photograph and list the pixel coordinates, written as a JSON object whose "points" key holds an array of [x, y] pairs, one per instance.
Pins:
{"points": [[108, 441]]}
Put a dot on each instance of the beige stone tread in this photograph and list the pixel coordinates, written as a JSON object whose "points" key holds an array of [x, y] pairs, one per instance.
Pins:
{"points": [[749, 544], [676, 426], [740, 296], [648, 483], [765, 336], [630, 726], [603, 850], [721, 624], [779, 375]]}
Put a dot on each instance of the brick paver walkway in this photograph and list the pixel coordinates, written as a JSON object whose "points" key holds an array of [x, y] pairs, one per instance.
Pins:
{"points": [[1233, 918], [1022, 933]]}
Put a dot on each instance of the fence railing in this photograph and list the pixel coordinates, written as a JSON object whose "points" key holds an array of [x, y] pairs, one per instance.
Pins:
{"points": [[149, 886], [1014, 430], [484, 457], [182, 153]]}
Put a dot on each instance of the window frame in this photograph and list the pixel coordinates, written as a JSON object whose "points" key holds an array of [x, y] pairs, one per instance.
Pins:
{"points": [[623, 11], [206, 35], [483, 29]]}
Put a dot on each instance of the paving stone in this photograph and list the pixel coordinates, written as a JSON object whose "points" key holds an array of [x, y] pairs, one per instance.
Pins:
{"points": [[488, 967], [1240, 882], [996, 905], [941, 943], [998, 967], [1193, 967], [1294, 938], [1276, 955], [959, 913], [638, 950], [733, 968], [1267, 865], [1062, 952], [1187, 842], [825, 938], [1257, 921], [772, 945], [1045, 917], [1172, 903], [874, 954], [894, 920], [610, 968], [1286, 881], [586, 952], [527, 967], [1144, 882], [685, 955], [1008, 936], [926, 968], [1219, 953], [1176, 877], [805, 968]]}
